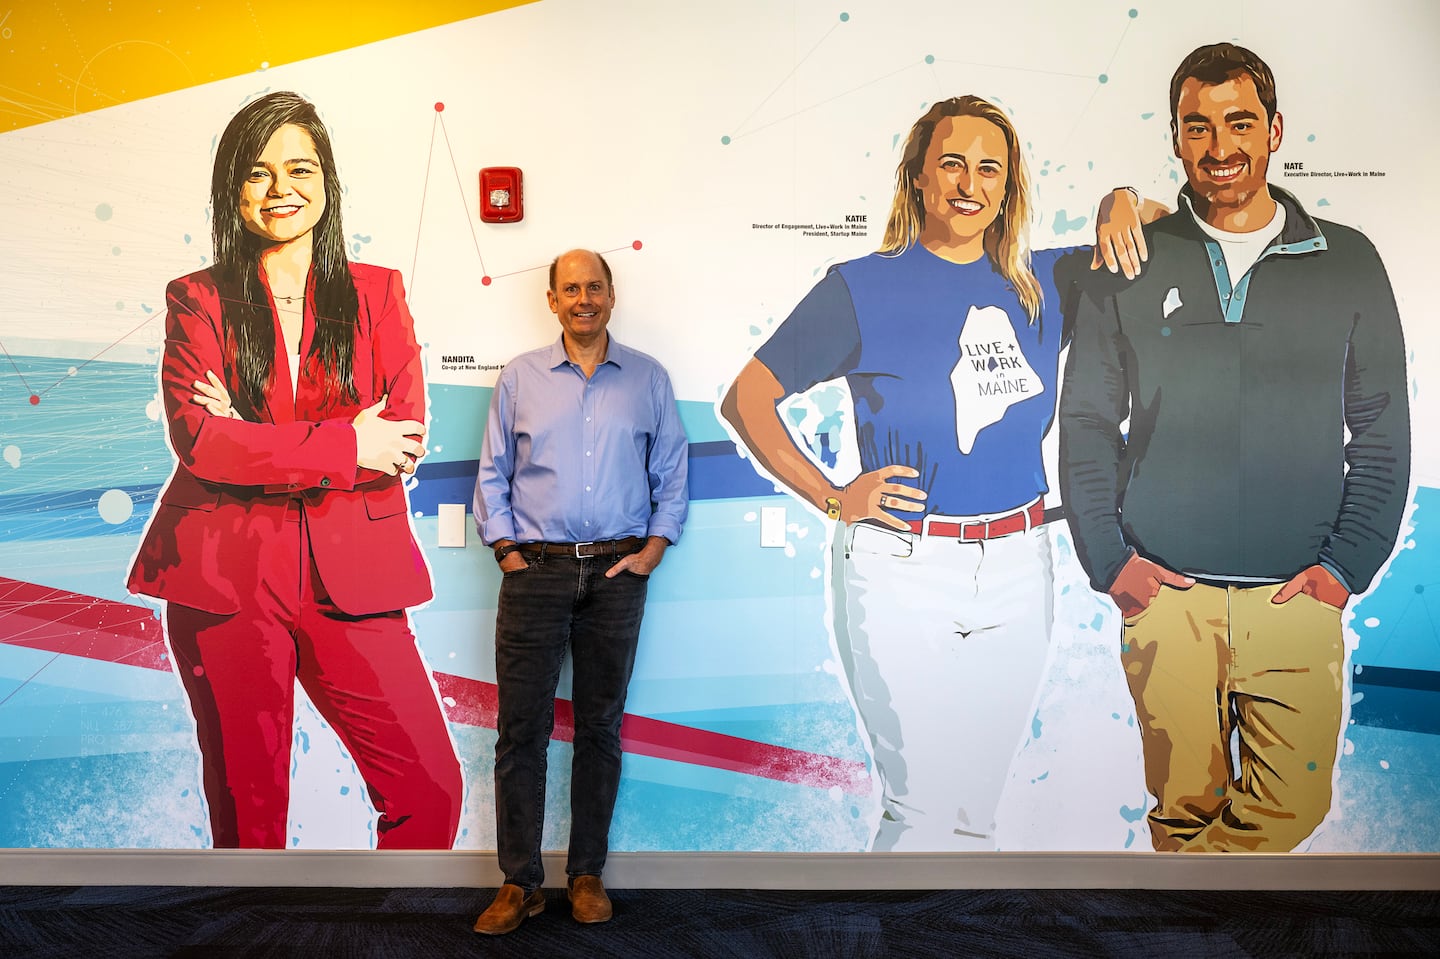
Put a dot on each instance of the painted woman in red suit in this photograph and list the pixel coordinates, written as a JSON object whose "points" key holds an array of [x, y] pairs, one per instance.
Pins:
{"points": [[282, 544]]}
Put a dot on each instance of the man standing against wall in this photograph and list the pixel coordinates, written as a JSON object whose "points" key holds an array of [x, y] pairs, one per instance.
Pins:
{"points": [[1260, 481], [582, 486]]}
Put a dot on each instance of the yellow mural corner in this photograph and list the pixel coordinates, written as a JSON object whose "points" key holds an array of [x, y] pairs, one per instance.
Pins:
{"points": [[73, 56]]}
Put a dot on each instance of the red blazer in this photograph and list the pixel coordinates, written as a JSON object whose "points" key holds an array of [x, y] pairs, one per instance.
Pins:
{"points": [[220, 514]]}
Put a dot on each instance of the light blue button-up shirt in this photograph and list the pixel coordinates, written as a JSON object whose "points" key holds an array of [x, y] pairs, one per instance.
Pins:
{"points": [[571, 460]]}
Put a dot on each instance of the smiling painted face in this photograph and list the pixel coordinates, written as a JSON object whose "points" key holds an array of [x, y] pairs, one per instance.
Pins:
{"points": [[1224, 141], [284, 195], [962, 183]]}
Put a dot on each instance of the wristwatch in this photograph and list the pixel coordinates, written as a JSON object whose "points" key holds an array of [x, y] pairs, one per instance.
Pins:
{"points": [[503, 551], [832, 507]]}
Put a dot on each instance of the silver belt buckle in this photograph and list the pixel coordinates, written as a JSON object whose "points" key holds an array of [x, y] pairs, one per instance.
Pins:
{"points": [[577, 548]]}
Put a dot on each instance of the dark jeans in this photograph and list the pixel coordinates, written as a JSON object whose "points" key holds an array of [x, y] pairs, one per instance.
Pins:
{"points": [[555, 602]]}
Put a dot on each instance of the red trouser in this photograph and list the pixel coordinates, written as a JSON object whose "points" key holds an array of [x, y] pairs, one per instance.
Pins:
{"points": [[363, 673]]}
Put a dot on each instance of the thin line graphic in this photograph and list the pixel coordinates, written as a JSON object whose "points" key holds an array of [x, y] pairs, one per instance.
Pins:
{"points": [[469, 221], [424, 192], [1080, 115], [1013, 68], [11, 359], [820, 103], [783, 80]]}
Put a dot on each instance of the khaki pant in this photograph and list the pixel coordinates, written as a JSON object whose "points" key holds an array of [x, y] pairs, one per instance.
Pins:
{"points": [[1220, 674]]}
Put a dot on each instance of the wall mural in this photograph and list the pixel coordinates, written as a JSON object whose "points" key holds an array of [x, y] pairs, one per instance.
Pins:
{"points": [[1014, 476]]}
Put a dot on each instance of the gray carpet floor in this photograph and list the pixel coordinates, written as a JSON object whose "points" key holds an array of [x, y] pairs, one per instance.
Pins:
{"points": [[211, 922]]}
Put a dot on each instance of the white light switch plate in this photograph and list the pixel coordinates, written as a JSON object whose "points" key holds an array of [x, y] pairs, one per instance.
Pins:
{"points": [[452, 524], [772, 526]]}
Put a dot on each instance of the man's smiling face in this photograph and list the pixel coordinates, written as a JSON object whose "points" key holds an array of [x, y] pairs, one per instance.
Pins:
{"points": [[1224, 139], [582, 298]]}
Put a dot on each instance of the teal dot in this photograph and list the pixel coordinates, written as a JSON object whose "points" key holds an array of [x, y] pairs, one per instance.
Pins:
{"points": [[187, 238], [1134, 13], [1104, 78], [725, 141], [1419, 587], [929, 58], [104, 212], [1310, 766], [1310, 138], [844, 17], [1164, 331], [1044, 172], [1219, 790], [114, 251]]}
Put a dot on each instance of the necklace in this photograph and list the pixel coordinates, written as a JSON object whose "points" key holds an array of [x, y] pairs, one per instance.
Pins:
{"points": [[290, 299]]}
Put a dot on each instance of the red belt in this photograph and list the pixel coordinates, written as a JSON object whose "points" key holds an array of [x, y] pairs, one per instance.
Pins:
{"points": [[1022, 519]]}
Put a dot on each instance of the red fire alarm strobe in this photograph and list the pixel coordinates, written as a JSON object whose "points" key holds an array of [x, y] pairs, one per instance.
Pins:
{"points": [[501, 200]]}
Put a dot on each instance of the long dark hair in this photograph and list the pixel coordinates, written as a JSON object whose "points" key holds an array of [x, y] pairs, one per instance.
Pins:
{"points": [[249, 324]]}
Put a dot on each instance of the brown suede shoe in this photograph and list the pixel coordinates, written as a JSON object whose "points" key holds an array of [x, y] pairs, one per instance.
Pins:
{"points": [[588, 902], [510, 908]]}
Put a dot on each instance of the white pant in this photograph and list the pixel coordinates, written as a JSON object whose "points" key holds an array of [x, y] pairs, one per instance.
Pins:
{"points": [[944, 644]]}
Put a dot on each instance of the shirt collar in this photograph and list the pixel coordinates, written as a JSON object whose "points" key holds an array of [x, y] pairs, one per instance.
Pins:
{"points": [[614, 353], [1299, 227]]}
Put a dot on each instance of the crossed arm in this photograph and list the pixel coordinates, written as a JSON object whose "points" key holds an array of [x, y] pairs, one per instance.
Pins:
{"points": [[386, 446], [223, 447]]}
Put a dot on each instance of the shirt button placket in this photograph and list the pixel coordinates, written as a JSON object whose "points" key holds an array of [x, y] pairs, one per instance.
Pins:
{"points": [[587, 468]]}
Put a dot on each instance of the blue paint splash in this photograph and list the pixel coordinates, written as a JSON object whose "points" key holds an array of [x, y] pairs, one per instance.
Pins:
{"points": [[1064, 224]]}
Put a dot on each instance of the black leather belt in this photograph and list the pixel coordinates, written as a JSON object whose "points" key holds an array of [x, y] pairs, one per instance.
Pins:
{"points": [[604, 547]]}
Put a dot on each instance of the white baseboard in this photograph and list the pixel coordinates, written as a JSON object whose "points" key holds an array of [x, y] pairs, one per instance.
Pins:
{"points": [[702, 870]]}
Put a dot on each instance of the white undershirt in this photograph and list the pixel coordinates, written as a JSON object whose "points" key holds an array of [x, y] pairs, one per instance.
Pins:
{"points": [[1241, 250]]}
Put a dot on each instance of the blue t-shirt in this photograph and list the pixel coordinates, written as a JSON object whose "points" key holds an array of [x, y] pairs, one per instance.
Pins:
{"points": [[948, 373]]}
